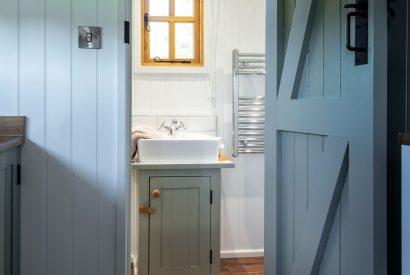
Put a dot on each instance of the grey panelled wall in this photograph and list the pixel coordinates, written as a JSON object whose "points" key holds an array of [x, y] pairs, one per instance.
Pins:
{"points": [[72, 193]]}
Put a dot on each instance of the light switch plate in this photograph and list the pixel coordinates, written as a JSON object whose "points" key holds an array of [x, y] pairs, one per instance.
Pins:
{"points": [[89, 37]]}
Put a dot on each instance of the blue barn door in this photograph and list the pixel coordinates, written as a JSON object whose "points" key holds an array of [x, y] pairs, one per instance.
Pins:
{"points": [[325, 138]]}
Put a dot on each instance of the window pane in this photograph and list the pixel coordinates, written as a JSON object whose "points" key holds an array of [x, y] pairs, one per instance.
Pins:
{"points": [[184, 7], [159, 39], [184, 40], [159, 7]]}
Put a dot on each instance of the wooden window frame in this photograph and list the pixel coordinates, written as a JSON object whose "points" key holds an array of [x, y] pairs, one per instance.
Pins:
{"points": [[197, 20]]}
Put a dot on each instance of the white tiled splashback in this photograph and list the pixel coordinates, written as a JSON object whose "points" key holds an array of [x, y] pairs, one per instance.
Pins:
{"points": [[197, 124]]}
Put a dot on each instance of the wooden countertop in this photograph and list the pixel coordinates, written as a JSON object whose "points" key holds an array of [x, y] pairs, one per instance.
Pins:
{"points": [[12, 132], [178, 166], [405, 139]]}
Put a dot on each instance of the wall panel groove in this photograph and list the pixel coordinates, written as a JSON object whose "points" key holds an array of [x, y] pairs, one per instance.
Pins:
{"points": [[71, 167], [97, 138], [19, 57], [46, 181]]}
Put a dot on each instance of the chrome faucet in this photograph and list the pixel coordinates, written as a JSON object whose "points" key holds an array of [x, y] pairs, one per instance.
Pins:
{"points": [[172, 127]]}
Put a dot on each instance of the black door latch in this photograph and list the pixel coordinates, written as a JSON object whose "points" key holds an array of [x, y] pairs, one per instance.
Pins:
{"points": [[360, 14]]}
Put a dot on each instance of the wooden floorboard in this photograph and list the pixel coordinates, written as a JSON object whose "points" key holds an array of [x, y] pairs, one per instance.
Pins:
{"points": [[242, 266], [237, 266]]}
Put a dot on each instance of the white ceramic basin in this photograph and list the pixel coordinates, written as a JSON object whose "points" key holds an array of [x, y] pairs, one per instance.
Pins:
{"points": [[182, 148]]}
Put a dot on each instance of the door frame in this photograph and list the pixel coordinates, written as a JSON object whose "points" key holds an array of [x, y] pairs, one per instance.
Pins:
{"points": [[274, 65], [123, 233]]}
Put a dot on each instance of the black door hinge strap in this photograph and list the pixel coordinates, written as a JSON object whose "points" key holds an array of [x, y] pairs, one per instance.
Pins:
{"points": [[18, 167], [127, 32]]}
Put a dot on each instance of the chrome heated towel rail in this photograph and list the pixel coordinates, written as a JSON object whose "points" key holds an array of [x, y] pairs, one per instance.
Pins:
{"points": [[248, 112]]}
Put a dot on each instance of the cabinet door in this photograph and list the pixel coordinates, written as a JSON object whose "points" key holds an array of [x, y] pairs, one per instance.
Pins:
{"points": [[6, 182], [179, 239]]}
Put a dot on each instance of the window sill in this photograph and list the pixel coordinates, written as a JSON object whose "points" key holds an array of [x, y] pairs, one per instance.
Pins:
{"points": [[141, 70]]}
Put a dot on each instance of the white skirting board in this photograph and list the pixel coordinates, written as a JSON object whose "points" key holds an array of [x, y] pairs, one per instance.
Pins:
{"points": [[242, 253], [226, 254]]}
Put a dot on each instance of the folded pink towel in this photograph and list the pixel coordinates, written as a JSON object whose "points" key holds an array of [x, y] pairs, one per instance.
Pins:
{"points": [[141, 132]]}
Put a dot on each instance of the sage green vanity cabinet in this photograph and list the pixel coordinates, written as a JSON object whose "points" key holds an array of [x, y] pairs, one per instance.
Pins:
{"points": [[178, 220], [8, 212]]}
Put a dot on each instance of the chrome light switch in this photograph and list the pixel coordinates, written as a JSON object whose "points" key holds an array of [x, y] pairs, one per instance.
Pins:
{"points": [[89, 37]]}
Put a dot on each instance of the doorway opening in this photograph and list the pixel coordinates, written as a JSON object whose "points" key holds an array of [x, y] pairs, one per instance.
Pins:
{"points": [[178, 92]]}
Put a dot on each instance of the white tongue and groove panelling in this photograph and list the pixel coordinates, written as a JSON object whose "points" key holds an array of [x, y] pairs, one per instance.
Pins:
{"points": [[196, 124]]}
